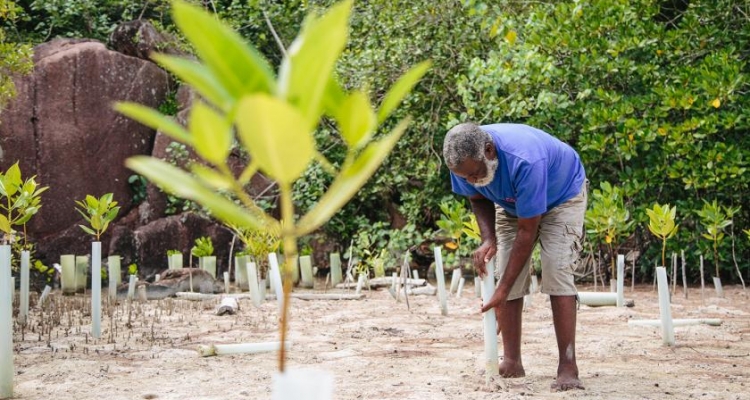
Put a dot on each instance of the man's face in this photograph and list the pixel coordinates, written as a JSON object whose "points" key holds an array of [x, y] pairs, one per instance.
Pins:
{"points": [[479, 172]]}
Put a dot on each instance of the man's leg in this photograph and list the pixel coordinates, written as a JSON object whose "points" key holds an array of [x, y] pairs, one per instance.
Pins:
{"points": [[510, 322], [564, 319]]}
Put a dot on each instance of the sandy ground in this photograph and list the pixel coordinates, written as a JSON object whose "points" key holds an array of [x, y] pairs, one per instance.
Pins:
{"points": [[377, 349]]}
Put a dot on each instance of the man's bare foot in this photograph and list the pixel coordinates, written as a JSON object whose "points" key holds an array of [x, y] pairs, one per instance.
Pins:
{"points": [[567, 379], [511, 369]]}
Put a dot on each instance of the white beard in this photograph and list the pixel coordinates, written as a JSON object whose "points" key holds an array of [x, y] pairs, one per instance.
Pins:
{"points": [[491, 166]]}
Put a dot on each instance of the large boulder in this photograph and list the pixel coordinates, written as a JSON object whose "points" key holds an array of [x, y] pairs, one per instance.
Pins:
{"points": [[62, 128], [139, 38]]}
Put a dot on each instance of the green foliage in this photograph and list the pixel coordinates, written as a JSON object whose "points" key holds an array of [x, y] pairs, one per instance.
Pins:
{"points": [[173, 252], [204, 247], [453, 219], [714, 220], [258, 244], [662, 225], [19, 201], [133, 269], [607, 219], [98, 213], [15, 58]]}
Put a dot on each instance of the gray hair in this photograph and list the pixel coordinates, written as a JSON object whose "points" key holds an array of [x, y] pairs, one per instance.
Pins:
{"points": [[464, 141]]}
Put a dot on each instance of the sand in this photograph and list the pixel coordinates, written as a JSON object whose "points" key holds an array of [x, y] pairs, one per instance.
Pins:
{"points": [[377, 349]]}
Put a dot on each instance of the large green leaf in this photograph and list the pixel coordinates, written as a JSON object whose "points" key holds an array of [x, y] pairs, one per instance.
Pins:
{"points": [[155, 120], [4, 224], [199, 77], [356, 120], [212, 134], [11, 181], [240, 68], [276, 136], [180, 183], [350, 179], [307, 67], [401, 88]]}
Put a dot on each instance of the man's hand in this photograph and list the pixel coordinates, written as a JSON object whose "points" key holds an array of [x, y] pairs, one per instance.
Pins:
{"points": [[483, 255]]}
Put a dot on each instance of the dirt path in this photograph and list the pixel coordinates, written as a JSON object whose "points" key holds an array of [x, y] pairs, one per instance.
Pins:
{"points": [[376, 349]]}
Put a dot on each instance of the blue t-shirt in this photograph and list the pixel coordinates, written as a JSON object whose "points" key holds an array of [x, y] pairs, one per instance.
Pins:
{"points": [[536, 171]]}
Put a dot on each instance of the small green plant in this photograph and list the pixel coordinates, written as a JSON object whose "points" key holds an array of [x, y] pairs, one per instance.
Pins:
{"points": [[608, 219], [139, 188], [22, 201], [714, 220], [203, 247], [173, 252], [133, 269], [661, 222], [98, 213], [258, 244]]}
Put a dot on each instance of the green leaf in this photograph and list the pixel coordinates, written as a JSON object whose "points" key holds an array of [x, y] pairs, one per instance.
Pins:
{"points": [[305, 71], [240, 68], [179, 183], [11, 180], [211, 177], [276, 135], [350, 179], [333, 97], [199, 77], [356, 120], [401, 88], [4, 224], [87, 230], [212, 134], [154, 120]]}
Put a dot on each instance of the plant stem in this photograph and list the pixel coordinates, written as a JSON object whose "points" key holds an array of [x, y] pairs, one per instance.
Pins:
{"points": [[663, 250], [290, 257]]}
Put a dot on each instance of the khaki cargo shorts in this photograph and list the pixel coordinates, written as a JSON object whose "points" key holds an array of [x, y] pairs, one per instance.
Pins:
{"points": [[560, 235]]}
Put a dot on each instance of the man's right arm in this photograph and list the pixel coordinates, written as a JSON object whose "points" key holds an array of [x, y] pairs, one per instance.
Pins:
{"points": [[484, 210]]}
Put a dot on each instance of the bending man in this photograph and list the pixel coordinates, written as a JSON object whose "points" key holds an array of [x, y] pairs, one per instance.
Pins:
{"points": [[524, 186]]}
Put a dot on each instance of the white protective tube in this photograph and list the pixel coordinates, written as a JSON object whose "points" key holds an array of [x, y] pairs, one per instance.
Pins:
{"points": [[676, 322], [597, 299], [335, 259], [254, 286], [239, 348], [82, 270], [664, 308], [454, 279], [68, 273], [96, 289], [208, 264], [490, 324], [718, 287], [460, 289], [478, 287], [226, 282], [23, 312], [360, 283], [6, 325], [302, 384], [620, 280], [131, 286], [440, 276], [113, 273], [44, 295], [415, 274], [276, 279], [305, 265]]}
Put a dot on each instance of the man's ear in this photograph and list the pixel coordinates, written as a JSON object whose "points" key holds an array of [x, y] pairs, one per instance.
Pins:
{"points": [[489, 151]]}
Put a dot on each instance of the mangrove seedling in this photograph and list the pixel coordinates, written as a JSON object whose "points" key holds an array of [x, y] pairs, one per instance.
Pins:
{"points": [[19, 201], [714, 220], [661, 222], [98, 213]]}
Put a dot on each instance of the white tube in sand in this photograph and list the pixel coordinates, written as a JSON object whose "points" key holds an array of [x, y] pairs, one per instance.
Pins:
{"points": [[175, 261], [23, 312], [440, 277], [113, 273], [305, 384], [718, 287], [478, 287], [96, 289], [415, 274], [676, 322], [454, 279], [252, 279], [239, 348], [490, 324], [620, 280], [208, 264], [664, 308], [226, 282], [45, 294], [360, 283], [335, 259], [276, 279], [6, 326], [305, 265], [131, 286], [460, 289], [68, 274], [534, 284], [597, 299], [82, 270]]}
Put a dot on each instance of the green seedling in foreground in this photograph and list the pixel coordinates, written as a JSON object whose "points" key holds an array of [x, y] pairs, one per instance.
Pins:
{"points": [[273, 118], [714, 220], [98, 213], [661, 222], [19, 201]]}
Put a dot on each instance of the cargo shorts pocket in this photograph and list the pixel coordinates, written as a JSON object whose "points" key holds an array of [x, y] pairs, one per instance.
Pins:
{"points": [[571, 248]]}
